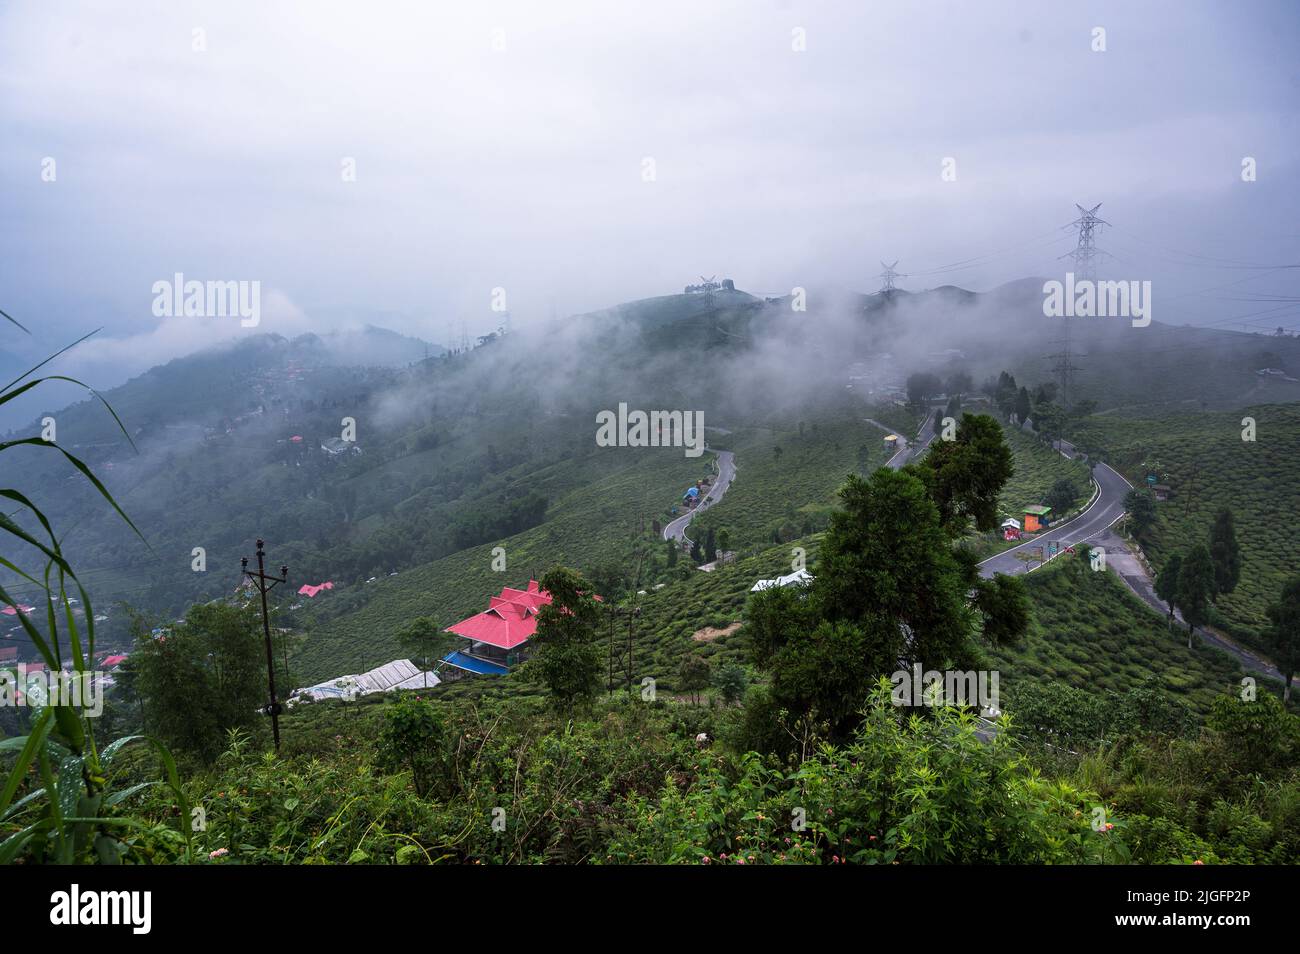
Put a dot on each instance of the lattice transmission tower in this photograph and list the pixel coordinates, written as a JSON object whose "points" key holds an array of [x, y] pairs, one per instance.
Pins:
{"points": [[1085, 256], [888, 275]]}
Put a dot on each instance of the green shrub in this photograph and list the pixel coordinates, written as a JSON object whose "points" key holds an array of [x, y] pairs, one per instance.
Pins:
{"points": [[412, 739], [906, 789]]}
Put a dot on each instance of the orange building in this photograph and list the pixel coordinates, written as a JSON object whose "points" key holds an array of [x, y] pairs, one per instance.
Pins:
{"points": [[1036, 518]]}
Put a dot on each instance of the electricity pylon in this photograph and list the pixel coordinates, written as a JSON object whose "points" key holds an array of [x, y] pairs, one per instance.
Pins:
{"points": [[888, 276], [1085, 256]]}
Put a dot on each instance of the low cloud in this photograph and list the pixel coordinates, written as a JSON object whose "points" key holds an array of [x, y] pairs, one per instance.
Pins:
{"points": [[112, 357]]}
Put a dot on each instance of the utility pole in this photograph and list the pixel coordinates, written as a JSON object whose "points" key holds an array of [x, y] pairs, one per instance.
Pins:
{"points": [[620, 657], [265, 584]]}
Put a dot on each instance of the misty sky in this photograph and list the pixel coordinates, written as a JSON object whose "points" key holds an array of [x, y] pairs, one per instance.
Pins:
{"points": [[523, 167]]}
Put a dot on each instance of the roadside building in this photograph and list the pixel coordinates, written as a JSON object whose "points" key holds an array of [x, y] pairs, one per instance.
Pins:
{"points": [[1036, 518]]}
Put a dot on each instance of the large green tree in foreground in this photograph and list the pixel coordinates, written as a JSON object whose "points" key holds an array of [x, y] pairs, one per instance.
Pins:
{"points": [[891, 590], [202, 677], [568, 657], [965, 475]]}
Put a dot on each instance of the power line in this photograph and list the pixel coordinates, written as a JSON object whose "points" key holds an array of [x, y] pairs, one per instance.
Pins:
{"points": [[1226, 262], [987, 257]]}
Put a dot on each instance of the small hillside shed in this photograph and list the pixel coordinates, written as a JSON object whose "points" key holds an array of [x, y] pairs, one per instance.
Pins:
{"points": [[1036, 518]]}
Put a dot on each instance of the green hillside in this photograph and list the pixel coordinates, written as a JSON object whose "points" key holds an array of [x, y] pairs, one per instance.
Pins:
{"points": [[1037, 467], [1149, 371], [598, 524], [787, 478], [1090, 632], [1208, 467]]}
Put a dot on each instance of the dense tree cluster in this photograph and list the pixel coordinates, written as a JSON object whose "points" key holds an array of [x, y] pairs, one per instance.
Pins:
{"points": [[890, 590]]}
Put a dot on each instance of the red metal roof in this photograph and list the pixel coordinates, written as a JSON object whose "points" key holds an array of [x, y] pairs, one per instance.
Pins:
{"points": [[529, 597], [510, 619]]}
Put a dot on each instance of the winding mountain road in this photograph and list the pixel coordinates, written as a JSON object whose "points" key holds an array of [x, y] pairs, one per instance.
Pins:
{"points": [[908, 450], [1121, 560], [1105, 509], [1094, 524], [726, 473]]}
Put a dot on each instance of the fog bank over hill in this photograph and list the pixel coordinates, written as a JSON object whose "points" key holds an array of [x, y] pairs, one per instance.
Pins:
{"points": [[571, 161], [362, 346], [742, 358]]}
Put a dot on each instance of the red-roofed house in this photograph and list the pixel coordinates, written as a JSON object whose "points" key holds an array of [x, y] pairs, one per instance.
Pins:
{"points": [[309, 591], [496, 637], [111, 661]]}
